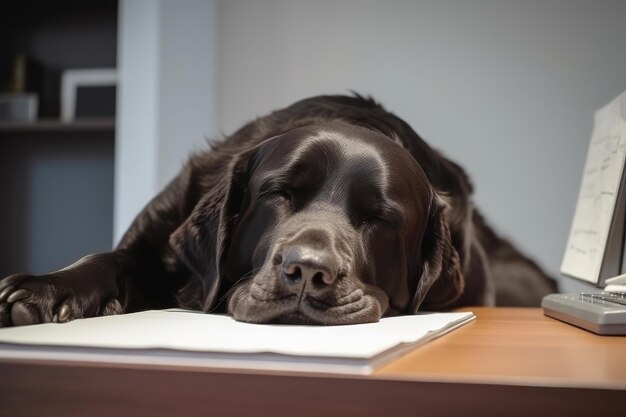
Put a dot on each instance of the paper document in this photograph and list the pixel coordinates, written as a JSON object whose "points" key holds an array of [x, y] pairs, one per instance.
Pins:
{"points": [[595, 215], [193, 338]]}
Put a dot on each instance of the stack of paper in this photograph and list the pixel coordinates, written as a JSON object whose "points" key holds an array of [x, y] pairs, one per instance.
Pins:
{"points": [[179, 337]]}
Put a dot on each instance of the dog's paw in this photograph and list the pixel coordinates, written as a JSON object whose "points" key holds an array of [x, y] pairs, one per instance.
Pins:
{"points": [[27, 299]]}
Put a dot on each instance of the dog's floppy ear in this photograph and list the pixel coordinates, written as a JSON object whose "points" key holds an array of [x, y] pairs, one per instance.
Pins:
{"points": [[442, 280], [203, 237]]}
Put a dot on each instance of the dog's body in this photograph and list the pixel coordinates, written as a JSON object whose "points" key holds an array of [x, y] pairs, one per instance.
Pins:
{"points": [[330, 211]]}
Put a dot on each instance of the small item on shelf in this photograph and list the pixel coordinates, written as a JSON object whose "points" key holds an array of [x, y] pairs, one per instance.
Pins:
{"points": [[18, 100], [18, 107]]}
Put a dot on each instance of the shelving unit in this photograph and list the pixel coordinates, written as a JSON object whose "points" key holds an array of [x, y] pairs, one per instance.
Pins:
{"points": [[55, 125], [56, 178]]}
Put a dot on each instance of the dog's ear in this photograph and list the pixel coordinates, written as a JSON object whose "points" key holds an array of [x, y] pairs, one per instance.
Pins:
{"points": [[442, 281], [203, 237]]}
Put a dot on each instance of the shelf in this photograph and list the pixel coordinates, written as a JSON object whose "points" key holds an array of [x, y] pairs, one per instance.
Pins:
{"points": [[52, 125]]}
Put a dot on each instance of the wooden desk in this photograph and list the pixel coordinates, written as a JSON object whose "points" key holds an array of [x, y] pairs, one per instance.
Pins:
{"points": [[509, 362]]}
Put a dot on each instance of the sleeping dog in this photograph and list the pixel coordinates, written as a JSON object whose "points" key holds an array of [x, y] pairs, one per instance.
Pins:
{"points": [[330, 211]]}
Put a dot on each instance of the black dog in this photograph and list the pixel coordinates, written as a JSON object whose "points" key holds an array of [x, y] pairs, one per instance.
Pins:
{"points": [[330, 211]]}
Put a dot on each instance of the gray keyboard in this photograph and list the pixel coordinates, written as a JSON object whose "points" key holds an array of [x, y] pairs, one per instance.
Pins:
{"points": [[602, 312]]}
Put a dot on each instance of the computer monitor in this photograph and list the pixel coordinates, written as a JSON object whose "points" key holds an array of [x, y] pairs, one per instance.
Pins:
{"points": [[596, 248]]}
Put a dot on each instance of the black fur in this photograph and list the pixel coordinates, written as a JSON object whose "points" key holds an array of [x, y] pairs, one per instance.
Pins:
{"points": [[329, 211]]}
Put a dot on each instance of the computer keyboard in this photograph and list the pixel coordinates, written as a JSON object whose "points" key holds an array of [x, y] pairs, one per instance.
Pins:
{"points": [[602, 312], [604, 298]]}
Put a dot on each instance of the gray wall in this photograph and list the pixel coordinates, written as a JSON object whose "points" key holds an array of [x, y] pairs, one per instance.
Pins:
{"points": [[57, 191], [507, 88]]}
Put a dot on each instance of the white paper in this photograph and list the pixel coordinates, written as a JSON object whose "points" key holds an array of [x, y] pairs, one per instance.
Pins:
{"points": [[585, 250], [189, 331]]}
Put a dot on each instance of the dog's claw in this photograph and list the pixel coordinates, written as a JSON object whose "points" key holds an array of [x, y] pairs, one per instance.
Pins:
{"points": [[5, 293], [6, 282], [64, 313], [23, 315], [18, 295]]}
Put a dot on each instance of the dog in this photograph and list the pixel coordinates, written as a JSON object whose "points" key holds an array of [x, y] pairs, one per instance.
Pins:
{"points": [[330, 211]]}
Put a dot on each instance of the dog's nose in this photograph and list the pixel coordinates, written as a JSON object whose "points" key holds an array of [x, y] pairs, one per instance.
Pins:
{"points": [[303, 265]]}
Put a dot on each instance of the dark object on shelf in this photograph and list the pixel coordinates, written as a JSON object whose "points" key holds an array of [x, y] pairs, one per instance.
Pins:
{"points": [[21, 75], [95, 102]]}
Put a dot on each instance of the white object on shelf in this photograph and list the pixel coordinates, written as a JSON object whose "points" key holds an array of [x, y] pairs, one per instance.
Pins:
{"points": [[72, 79]]}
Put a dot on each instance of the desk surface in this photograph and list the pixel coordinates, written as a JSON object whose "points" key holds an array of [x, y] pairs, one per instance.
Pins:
{"points": [[518, 346], [507, 362]]}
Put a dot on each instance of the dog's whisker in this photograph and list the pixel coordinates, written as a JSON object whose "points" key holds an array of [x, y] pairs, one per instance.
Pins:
{"points": [[246, 276]]}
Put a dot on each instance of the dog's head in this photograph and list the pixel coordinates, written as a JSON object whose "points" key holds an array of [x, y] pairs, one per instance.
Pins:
{"points": [[332, 224]]}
